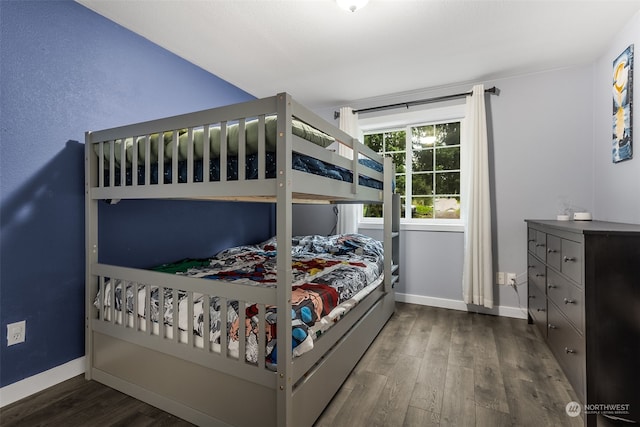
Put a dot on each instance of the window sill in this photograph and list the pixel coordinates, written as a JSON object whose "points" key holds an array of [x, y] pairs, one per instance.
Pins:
{"points": [[414, 226]]}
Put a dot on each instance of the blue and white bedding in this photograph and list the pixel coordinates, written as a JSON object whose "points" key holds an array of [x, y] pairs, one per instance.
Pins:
{"points": [[330, 276], [300, 162]]}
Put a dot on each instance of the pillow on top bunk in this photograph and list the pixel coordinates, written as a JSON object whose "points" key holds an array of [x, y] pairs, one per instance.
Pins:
{"points": [[251, 132], [251, 137], [117, 148], [153, 140], [198, 149], [311, 134], [298, 128], [128, 142]]}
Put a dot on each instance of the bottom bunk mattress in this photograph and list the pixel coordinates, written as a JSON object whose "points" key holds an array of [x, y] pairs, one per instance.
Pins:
{"points": [[330, 276]]}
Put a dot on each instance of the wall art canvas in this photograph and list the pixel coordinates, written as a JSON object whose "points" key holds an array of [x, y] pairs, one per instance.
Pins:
{"points": [[622, 105]]}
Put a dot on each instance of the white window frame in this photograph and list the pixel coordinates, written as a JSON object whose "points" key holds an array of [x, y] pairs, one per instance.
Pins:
{"points": [[413, 118]]}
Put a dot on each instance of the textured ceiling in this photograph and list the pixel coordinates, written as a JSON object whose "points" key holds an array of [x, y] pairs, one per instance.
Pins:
{"points": [[325, 56]]}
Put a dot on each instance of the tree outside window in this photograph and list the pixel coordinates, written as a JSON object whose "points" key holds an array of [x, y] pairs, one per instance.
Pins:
{"points": [[427, 159]]}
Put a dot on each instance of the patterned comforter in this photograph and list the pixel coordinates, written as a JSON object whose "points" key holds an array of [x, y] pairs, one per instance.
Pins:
{"points": [[327, 272]]}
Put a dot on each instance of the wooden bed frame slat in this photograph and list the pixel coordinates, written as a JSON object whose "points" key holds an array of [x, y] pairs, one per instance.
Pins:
{"points": [[262, 161]]}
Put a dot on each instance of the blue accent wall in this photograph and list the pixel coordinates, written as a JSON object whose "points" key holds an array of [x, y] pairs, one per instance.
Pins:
{"points": [[65, 70]]}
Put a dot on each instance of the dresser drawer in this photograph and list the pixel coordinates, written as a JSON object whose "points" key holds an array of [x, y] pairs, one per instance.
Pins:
{"points": [[568, 347], [536, 272], [567, 297], [554, 251], [538, 309], [541, 244], [572, 260], [531, 240]]}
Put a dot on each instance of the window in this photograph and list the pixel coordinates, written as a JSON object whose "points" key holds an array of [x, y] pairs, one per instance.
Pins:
{"points": [[427, 159]]}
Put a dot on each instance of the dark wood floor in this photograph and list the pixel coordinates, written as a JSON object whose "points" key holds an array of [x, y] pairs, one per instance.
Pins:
{"points": [[428, 367]]}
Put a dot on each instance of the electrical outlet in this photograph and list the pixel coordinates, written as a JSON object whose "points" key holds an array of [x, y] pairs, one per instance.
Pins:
{"points": [[511, 279], [500, 278], [16, 332]]}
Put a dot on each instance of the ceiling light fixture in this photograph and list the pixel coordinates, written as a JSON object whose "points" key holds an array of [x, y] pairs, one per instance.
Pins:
{"points": [[352, 5]]}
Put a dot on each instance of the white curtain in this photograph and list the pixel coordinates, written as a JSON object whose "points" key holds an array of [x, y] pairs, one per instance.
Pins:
{"points": [[348, 214], [477, 275]]}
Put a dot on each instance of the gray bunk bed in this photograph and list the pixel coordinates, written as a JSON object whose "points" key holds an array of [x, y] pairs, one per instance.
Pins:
{"points": [[184, 157]]}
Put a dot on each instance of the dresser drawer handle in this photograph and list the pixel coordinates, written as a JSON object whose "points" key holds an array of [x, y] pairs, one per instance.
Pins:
{"points": [[532, 297], [531, 240], [551, 286], [552, 326], [569, 301], [540, 309], [569, 350], [551, 251], [568, 259], [540, 245], [539, 275]]}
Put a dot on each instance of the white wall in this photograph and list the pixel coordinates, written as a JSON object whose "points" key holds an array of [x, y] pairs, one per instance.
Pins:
{"points": [[314, 219], [616, 186], [541, 137], [542, 153], [430, 267]]}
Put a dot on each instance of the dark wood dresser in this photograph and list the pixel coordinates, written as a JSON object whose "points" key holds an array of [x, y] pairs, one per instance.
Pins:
{"points": [[584, 296]]}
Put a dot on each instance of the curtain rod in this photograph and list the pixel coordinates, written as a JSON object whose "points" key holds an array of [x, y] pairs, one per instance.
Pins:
{"points": [[492, 90]]}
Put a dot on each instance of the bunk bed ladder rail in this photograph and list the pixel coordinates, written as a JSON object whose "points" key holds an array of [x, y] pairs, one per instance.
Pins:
{"points": [[391, 228]]}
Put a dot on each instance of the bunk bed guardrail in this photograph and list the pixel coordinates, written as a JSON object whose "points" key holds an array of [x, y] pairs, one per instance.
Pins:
{"points": [[221, 145]]}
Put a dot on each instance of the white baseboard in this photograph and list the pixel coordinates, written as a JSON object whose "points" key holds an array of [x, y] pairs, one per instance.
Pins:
{"points": [[28, 386], [505, 311]]}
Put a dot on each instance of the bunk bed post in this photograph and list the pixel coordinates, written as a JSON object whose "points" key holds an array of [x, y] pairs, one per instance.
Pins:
{"points": [[391, 229], [284, 199], [91, 246]]}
